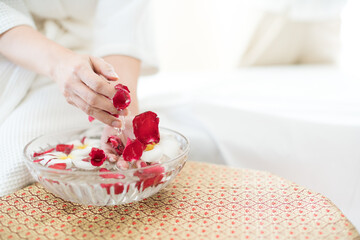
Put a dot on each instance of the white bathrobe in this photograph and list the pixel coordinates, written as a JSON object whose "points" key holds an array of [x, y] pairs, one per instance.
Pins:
{"points": [[31, 105]]}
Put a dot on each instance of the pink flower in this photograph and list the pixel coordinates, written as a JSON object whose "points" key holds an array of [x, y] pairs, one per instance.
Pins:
{"points": [[97, 157], [64, 148], [121, 99], [116, 143], [146, 128], [133, 150]]}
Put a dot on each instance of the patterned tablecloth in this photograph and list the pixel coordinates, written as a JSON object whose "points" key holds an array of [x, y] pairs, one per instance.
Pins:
{"points": [[204, 202]]}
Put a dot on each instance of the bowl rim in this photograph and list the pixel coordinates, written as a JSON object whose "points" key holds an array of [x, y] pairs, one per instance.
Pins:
{"points": [[96, 173]]}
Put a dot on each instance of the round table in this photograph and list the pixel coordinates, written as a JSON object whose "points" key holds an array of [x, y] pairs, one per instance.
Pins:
{"points": [[205, 201]]}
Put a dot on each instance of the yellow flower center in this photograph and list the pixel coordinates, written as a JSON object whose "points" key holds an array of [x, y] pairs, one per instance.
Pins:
{"points": [[150, 146], [82, 146], [63, 157]]}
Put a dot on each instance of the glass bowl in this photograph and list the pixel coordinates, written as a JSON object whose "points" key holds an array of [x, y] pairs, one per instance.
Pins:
{"points": [[90, 187]]}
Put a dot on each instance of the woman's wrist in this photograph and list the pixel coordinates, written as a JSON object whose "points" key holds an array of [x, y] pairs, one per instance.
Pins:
{"points": [[58, 57]]}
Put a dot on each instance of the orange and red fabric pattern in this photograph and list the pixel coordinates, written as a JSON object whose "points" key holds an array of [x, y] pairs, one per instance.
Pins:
{"points": [[205, 201]]}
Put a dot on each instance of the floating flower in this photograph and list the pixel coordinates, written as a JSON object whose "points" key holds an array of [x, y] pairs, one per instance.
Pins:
{"points": [[116, 143], [153, 154], [133, 150], [98, 156], [83, 163], [146, 128], [58, 160], [121, 99]]}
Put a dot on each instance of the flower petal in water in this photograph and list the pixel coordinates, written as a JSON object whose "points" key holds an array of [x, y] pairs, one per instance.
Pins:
{"points": [[146, 128]]}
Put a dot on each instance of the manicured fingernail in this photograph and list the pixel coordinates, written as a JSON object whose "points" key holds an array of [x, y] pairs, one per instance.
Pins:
{"points": [[116, 124], [113, 74]]}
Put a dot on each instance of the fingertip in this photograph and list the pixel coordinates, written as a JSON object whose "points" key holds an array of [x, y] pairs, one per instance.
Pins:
{"points": [[112, 158], [111, 75], [116, 124], [122, 164]]}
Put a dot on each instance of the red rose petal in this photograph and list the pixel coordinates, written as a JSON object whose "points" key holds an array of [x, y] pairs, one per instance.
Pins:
{"points": [[118, 187], [149, 172], [107, 186], [58, 166], [98, 157], [116, 143], [64, 148], [42, 153], [156, 170], [110, 175], [121, 99], [149, 182], [83, 140], [146, 127], [120, 86], [133, 150], [91, 118]]}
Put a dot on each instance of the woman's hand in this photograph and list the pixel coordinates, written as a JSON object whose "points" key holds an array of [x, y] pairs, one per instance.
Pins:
{"points": [[85, 81], [88, 83]]}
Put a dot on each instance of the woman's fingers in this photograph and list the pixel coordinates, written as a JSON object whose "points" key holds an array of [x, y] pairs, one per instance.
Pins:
{"points": [[103, 68], [95, 112], [93, 99], [97, 83], [108, 149]]}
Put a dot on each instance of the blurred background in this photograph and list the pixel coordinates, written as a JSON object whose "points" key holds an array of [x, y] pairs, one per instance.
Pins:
{"points": [[267, 84], [207, 35]]}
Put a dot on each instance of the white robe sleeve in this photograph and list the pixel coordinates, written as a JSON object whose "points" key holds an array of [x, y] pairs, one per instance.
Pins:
{"points": [[14, 13], [124, 28]]}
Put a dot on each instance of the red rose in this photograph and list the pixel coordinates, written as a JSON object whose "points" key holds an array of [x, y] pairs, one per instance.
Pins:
{"points": [[97, 157], [146, 128]]}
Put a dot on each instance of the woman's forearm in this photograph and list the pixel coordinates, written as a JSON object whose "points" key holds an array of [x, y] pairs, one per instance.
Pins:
{"points": [[28, 48], [128, 70], [86, 82]]}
